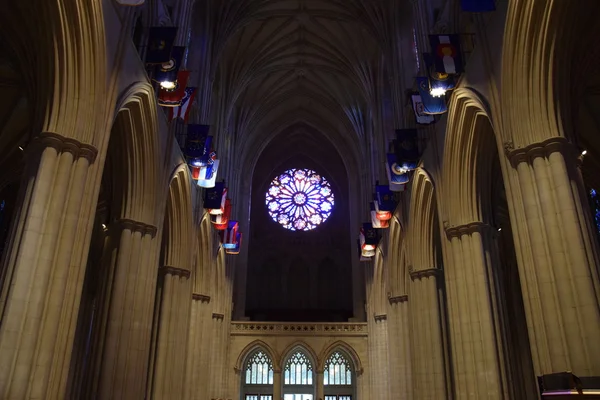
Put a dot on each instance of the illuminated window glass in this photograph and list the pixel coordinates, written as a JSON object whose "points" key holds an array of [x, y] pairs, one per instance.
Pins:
{"points": [[299, 199], [338, 370], [259, 370], [298, 370]]}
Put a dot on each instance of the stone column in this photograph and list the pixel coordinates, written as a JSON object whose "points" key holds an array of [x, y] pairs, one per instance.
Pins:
{"points": [[428, 359], [401, 370], [200, 345], [45, 269], [277, 383], [320, 384], [217, 361], [126, 345], [378, 347], [173, 329], [476, 338], [557, 256]]}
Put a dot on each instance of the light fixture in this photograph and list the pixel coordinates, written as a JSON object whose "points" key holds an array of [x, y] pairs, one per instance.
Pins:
{"points": [[584, 152], [499, 229], [167, 85], [437, 92], [104, 226], [20, 148]]}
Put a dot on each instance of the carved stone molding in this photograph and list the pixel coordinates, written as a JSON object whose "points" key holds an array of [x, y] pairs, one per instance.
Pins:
{"points": [[380, 317], [64, 144], [541, 149], [425, 273], [466, 229], [134, 226], [218, 316], [240, 328], [201, 297], [184, 273], [398, 299]]}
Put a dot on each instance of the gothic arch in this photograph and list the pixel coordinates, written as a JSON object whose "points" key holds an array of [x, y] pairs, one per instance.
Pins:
{"points": [[65, 83], [396, 259], [220, 291], [470, 140], [133, 146], [422, 221], [299, 345], [377, 294], [178, 227], [347, 350], [203, 274], [255, 345]]}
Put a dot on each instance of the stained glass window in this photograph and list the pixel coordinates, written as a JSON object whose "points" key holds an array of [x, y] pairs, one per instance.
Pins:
{"points": [[596, 207], [299, 199], [259, 370], [338, 370], [298, 370]]}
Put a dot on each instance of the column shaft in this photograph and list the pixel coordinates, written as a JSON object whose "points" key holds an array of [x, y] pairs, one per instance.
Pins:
{"points": [[476, 340], [40, 298], [558, 259], [277, 385], [429, 372], [320, 385], [172, 340], [200, 345], [401, 370]]}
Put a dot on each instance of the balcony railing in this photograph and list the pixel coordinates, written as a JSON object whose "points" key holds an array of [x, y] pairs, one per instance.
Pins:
{"points": [[299, 328]]}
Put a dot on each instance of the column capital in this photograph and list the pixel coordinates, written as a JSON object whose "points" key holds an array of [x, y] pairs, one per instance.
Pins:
{"points": [[64, 144], [201, 297], [398, 299], [134, 226], [218, 316], [541, 149], [167, 269], [425, 273], [466, 229], [380, 317]]}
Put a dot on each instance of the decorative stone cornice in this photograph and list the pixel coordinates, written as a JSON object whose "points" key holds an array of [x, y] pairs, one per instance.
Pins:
{"points": [[541, 149], [243, 328], [134, 226], [380, 317], [64, 144], [184, 273], [466, 229], [201, 297], [398, 299], [425, 273], [218, 316]]}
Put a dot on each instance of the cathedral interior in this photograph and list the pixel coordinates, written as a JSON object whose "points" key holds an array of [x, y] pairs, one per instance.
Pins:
{"points": [[299, 199]]}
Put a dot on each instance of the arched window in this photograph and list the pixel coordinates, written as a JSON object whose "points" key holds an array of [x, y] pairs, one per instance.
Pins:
{"points": [[298, 378], [257, 378], [338, 377]]}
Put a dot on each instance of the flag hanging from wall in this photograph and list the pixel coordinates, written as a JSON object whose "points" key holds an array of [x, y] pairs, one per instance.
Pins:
{"points": [[477, 5], [397, 177], [182, 111], [215, 198], [417, 105], [375, 221], [439, 82], [167, 72], [160, 44], [406, 147], [431, 105], [368, 237], [384, 202], [220, 221], [229, 235], [207, 176], [174, 97], [446, 54], [196, 142], [364, 255], [236, 248]]}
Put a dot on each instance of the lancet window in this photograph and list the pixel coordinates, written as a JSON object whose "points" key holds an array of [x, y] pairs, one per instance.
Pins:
{"points": [[257, 378], [338, 377], [298, 378]]}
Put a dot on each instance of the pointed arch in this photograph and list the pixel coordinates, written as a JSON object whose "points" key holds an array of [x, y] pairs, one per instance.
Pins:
{"points": [[397, 266], [133, 150], [178, 226], [204, 271], [378, 293], [251, 348], [423, 223], [470, 139], [299, 345], [345, 349]]}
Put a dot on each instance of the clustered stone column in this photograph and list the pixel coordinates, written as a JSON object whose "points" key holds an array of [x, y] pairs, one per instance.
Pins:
{"points": [[558, 258], [400, 348], [199, 367], [173, 330], [277, 384], [428, 361], [128, 309], [45, 269], [378, 354], [475, 334]]}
